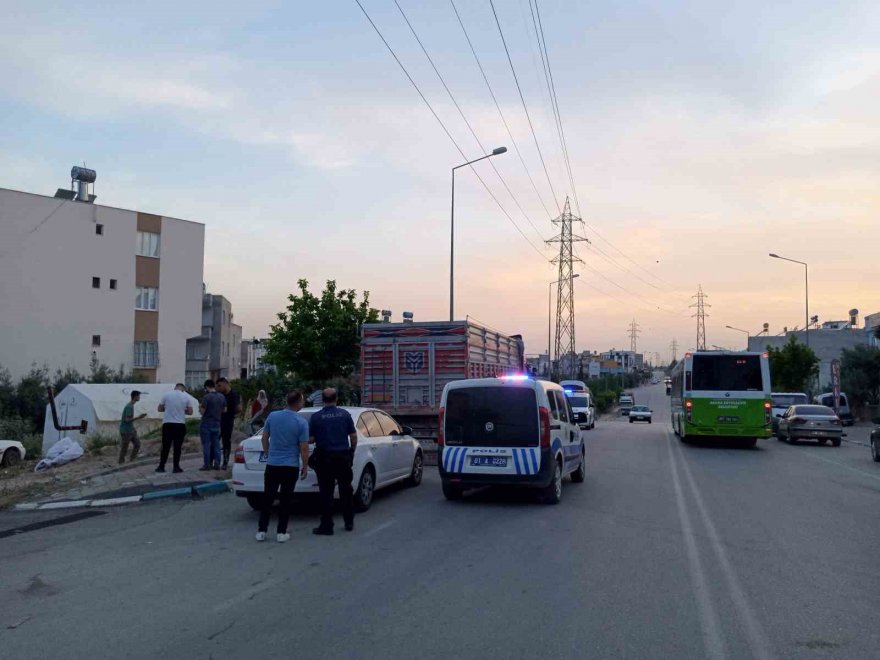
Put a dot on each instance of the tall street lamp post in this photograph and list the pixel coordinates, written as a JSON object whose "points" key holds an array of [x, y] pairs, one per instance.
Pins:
{"points": [[549, 316], [748, 334], [495, 152], [806, 294]]}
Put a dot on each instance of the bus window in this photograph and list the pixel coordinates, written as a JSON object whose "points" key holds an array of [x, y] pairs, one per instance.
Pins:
{"points": [[720, 373]]}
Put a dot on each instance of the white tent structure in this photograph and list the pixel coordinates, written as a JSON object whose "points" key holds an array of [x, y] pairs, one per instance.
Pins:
{"points": [[101, 406]]}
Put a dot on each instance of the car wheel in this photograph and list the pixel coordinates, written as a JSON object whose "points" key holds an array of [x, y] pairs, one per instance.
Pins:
{"points": [[792, 440], [580, 474], [836, 442], [750, 442], [649, 421], [552, 494], [875, 451], [452, 493], [255, 500], [630, 421], [363, 496], [823, 441], [415, 477], [11, 457]]}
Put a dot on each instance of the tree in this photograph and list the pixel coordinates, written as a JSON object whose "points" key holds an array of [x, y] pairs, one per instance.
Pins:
{"points": [[793, 366], [318, 338], [860, 374]]}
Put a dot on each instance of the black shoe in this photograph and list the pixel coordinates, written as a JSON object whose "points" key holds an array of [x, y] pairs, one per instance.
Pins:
{"points": [[225, 466], [323, 531], [177, 470], [161, 468], [349, 526], [204, 468]]}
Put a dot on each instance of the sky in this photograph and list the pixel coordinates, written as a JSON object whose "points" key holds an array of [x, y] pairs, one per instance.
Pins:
{"points": [[701, 137]]}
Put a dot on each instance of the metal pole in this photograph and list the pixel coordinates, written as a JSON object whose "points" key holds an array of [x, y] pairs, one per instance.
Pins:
{"points": [[549, 316], [452, 253], [807, 304]]}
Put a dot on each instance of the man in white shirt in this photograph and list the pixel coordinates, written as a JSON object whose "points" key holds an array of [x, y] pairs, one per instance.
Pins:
{"points": [[175, 406]]}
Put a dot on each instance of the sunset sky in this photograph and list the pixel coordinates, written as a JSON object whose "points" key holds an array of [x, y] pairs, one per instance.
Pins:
{"points": [[702, 136]]}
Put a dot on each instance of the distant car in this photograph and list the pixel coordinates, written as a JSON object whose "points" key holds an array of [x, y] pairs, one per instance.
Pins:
{"points": [[810, 422], [780, 403], [875, 441], [574, 386], [624, 404], [582, 402], [12, 453], [640, 414], [386, 453], [827, 399]]}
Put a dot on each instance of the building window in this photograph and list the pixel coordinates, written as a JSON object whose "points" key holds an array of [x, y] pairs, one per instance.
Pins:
{"points": [[113, 284], [147, 297], [147, 244], [99, 230], [96, 340], [96, 282], [146, 354]]}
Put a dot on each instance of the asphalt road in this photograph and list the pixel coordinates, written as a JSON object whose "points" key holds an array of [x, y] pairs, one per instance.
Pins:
{"points": [[666, 551]]}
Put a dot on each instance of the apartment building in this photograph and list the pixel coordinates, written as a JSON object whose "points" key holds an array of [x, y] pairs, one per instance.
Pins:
{"points": [[253, 353], [216, 351], [79, 280]]}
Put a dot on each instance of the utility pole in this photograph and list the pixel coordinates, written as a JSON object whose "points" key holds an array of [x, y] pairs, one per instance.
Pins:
{"points": [[701, 305], [634, 332], [565, 336], [674, 348]]}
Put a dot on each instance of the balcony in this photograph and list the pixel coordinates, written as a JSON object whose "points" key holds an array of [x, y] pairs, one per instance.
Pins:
{"points": [[146, 354]]}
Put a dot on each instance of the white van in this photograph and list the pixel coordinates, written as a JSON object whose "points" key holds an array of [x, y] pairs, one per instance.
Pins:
{"points": [[508, 431], [827, 399], [582, 402]]}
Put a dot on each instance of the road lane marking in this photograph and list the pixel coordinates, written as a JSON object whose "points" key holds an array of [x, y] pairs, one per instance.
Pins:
{"points": [[755, 635], [378, 529], [247, 594], [712, 639], [843, 465]]}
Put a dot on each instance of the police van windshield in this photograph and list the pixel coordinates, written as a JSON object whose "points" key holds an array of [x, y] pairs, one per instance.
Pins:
{"points": [[491, 417], [578, 401]]}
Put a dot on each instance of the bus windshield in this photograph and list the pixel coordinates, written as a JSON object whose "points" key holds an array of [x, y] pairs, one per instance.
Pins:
{"points": [[717, 373]]}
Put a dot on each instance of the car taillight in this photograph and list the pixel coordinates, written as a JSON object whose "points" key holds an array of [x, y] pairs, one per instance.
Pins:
{"points": [[836, 422], [797, 420], [544, 414], [441, 438], [239, 454], [689, 406], [768, 412]]}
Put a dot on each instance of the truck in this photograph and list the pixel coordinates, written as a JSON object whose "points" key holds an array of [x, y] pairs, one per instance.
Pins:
{"points": [[405, 366]]}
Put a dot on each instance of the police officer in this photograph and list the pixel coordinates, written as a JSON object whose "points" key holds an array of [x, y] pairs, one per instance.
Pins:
{"points": [[333, 432]]}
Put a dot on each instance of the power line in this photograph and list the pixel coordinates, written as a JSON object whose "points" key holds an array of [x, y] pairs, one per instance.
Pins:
{"points": [[522, 98], [445, 130]]}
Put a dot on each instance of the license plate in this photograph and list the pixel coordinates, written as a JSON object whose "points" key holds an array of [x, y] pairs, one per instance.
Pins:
{"points": [[263, 457], [489, 461], [728, 418]]}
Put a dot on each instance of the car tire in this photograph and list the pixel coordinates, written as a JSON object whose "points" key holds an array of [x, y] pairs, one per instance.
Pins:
{"points": [[791, 439], [255, 500], [363, 494], [875, 451], [552, 494], [750, 442], [822, 441], [452, 493], [579, 475], [649, 421], [836, 442], [11, 457], [630, 421], [418, 468]]}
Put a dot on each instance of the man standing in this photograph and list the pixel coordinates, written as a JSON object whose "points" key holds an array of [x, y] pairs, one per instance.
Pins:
{"points": [[127, 431], [286, 447], [227, 421], [333, 432], [175, 406], [212, 406]]}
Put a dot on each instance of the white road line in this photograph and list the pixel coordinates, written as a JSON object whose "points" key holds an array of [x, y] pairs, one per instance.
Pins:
{"points": [[247, 594], [843, 465], [378, 529], [712, 639], [755, 634]]}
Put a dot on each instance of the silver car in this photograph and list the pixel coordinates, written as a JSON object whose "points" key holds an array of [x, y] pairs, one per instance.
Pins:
{"points": [[805, 422]]}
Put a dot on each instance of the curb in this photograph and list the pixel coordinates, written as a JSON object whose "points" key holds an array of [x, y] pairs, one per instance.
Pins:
{"points": [[208, 488]]}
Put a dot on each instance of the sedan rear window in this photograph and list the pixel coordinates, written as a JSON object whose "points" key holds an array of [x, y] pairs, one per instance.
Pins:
{"points": [[491, 417], [813, 410], [786, 400]]}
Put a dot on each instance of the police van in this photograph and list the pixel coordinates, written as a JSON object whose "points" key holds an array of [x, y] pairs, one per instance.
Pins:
{"points": [[512, 431]]}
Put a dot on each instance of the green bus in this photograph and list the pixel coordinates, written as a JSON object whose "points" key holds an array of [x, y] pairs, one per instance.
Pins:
{"points": [[722, 394]]}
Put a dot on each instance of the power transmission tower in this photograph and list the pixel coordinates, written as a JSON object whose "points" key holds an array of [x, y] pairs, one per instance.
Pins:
{"points": [[701, 315], [634, 332], [674, 348], [565, 338]]}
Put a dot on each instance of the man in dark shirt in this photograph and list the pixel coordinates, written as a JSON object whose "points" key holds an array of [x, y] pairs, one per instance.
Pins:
{"points": [[333, 432], [227, 420]]}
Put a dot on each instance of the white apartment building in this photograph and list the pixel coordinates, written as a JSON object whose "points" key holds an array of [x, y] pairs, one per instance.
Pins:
{"points": [[79, 280]]}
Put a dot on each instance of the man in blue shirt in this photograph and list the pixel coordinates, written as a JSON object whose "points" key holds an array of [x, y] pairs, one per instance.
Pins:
{"points": [[286, 446], [333, 432]]}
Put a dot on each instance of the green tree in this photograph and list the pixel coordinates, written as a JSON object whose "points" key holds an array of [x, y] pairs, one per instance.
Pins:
{"points": [[793, 366], [860, 374], [318, 338]]}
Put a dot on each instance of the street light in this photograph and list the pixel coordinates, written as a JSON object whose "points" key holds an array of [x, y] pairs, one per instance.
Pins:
{"points": [[748, 334], [806, 294], [549, 314], [495, 152]]}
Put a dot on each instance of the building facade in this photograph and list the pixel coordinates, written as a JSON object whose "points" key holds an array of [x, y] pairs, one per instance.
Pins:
{"points": [[216, 351], [253, 353], [80, 281]]}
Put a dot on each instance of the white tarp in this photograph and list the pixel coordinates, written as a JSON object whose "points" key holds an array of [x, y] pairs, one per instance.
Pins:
{"points": [[63, 451]]}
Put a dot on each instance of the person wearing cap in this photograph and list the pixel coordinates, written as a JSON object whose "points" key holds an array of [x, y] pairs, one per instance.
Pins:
{"points": [[127, 431]]}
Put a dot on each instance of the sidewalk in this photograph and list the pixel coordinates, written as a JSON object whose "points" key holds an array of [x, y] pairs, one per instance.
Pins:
{"points": [[859, 434]]}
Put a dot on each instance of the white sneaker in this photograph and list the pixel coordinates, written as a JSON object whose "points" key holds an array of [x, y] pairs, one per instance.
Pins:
{"points": [[283, 538], [261, 536]]}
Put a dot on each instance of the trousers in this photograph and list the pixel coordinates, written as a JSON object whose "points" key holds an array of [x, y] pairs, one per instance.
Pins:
{"points": [[124, 440], [210, 436], [226, 428], [172, 434], [334, 468], [280, 481]]}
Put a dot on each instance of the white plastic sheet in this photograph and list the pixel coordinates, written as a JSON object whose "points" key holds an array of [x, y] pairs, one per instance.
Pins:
{"points": [[63, 451]]}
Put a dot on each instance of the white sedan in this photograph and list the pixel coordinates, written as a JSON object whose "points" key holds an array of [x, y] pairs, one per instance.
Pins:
{"points": [[386, 453], [12, 453]]}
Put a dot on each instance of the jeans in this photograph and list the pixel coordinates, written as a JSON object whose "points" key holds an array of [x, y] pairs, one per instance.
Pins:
{"points": [[226, 439], [334, 467], [124, 440], [210, 445], [280, 480], [172, 434]]}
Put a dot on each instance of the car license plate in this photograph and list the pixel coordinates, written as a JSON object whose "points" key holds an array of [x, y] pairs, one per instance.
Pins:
{"points": [[263, 457], [489, 461], [728, 418]]}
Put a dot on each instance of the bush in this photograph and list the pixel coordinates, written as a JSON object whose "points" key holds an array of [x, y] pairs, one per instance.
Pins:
{"points": [[98, 441]]}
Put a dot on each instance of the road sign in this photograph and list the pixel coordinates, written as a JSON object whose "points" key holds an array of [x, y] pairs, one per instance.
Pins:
{"points": [[835, 385]]}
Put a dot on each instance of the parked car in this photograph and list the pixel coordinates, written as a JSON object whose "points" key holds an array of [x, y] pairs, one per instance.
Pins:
{"points": [[386, 453], [582, 402], [827, 399], [12, 453], [624, 404], [512, 431], [810, 422], [875, 441], [640, 414], [781, 401]]}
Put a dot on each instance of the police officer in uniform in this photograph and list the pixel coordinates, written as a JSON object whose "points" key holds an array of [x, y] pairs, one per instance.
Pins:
{"points": [[333, 432]]}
